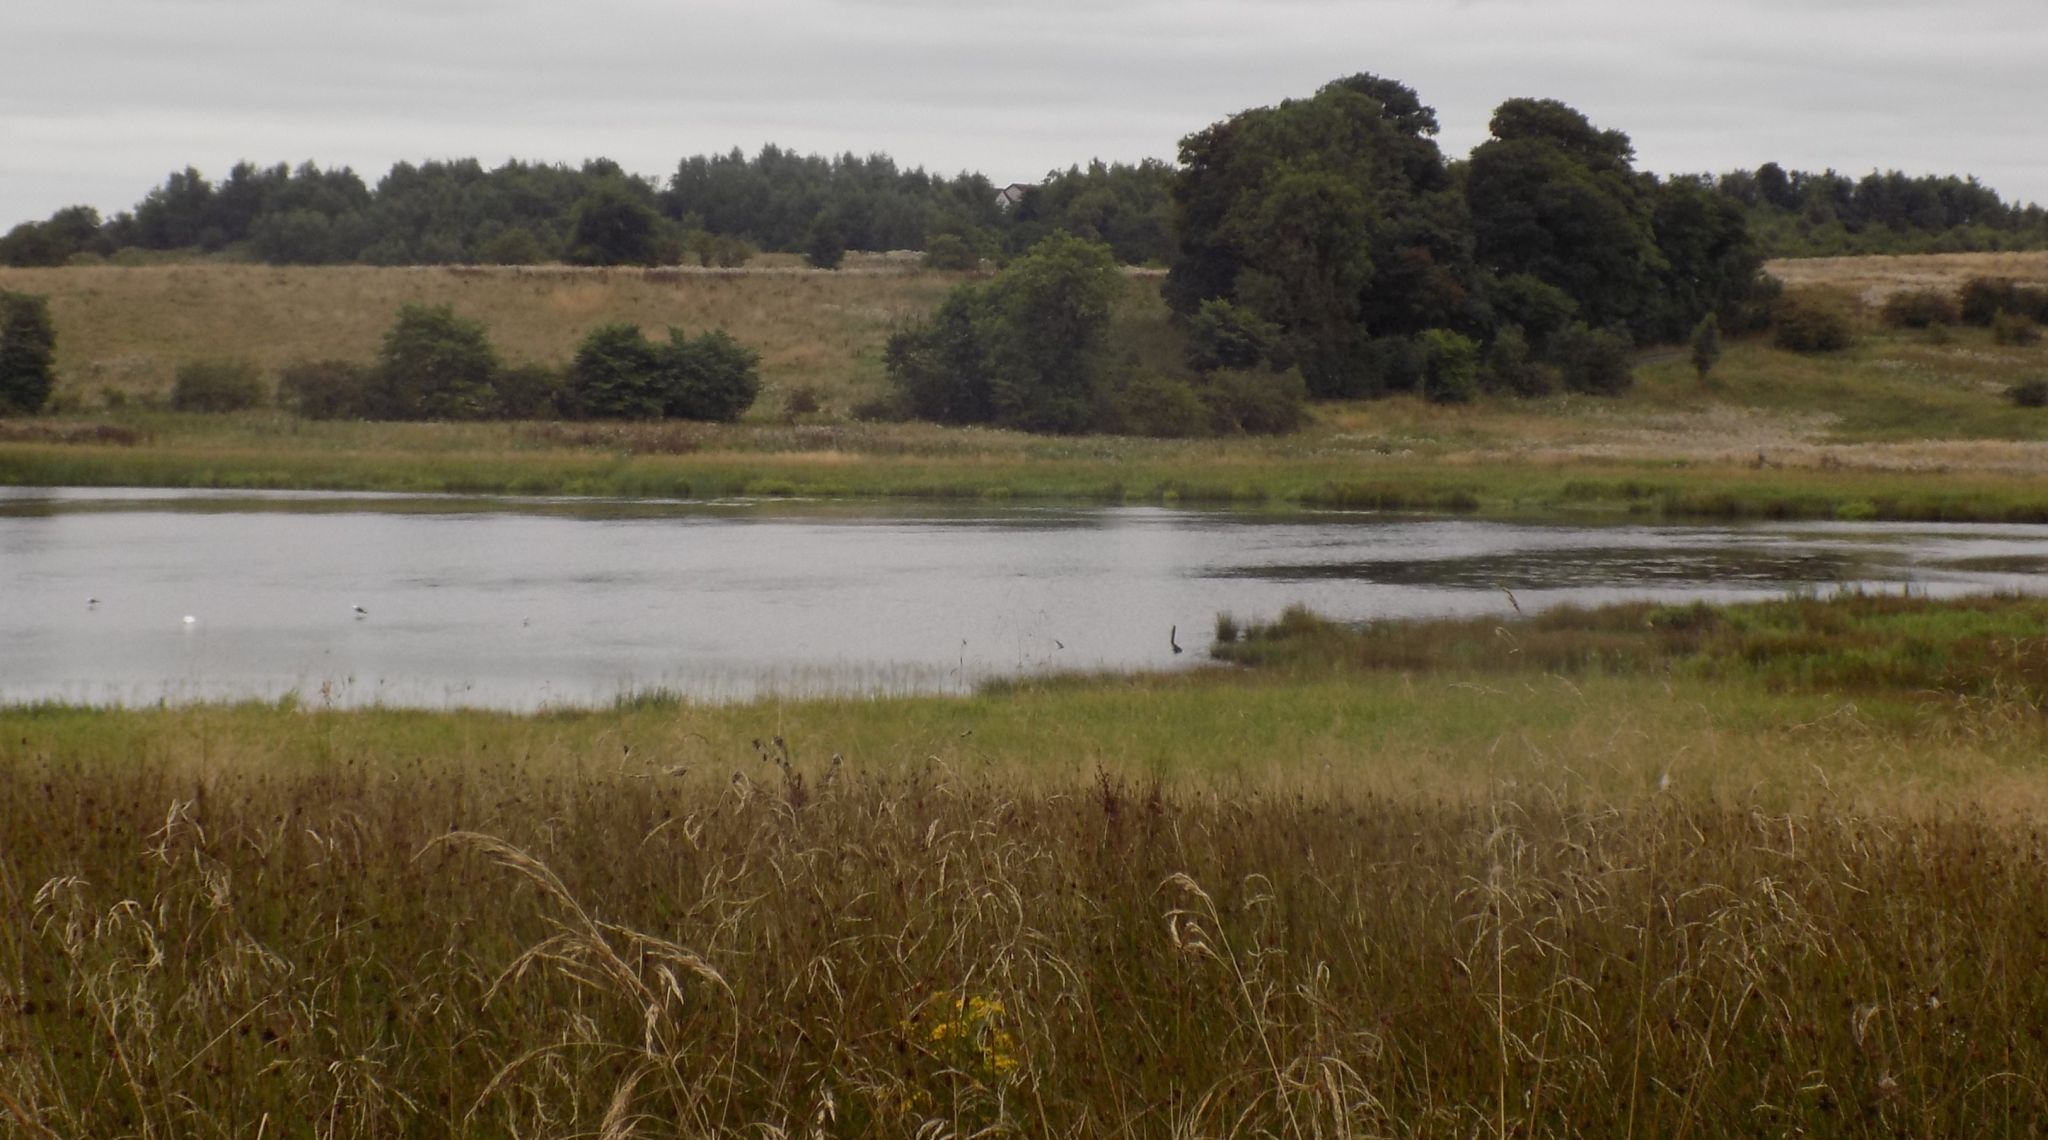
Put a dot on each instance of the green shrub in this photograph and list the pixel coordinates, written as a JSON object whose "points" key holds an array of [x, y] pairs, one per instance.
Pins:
{"points": [[801, 400], [615, 375], [1509, 367], [435, 365], [1593, 361], [1150, 404], [28, 347], [2031, 393], [1451, 372], [1223, 335], [710, 377], [729, 252], [1919, 309], [950, 252], [1706, 345], [325, 389], [2014, 329], [1028, 350], [1388, 364], [531, 392], [221, 385], [1256, 401], [1983, 298], [824, 247], [514, 246], [1812, 320]]}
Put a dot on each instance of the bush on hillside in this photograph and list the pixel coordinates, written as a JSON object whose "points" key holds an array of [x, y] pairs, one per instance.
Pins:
{"points": [[824, 247], [435, 365], [1811, 320], [1509, 367], [615, 375], [1919, 309], [1027, 350], [1451, 367], [2014, 329], [1256, 401], [950, 252], [1594, 361], [325, 389], [515, 245], [28, 349], [1151, 404], [531, 392], [2030, 393], [219, 385], [709, 377], [620, 374]]}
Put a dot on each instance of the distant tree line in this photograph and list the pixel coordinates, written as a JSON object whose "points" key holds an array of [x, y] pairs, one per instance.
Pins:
{"points": [[719, 209], [1799, 214], [714, 210]]}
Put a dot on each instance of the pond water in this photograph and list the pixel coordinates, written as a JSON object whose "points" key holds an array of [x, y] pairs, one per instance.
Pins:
{"points": [[522, 603]]}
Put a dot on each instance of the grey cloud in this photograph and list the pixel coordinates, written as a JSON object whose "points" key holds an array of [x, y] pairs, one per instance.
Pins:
{"points": [[115, 93]]}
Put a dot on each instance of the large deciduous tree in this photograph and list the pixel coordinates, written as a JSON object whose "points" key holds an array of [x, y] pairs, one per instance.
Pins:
{"points": [[1028, 350], [1555, 198], [1332, 218]]}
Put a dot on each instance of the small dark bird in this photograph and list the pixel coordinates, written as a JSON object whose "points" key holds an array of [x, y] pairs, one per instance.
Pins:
{"points": [[1511, 599], [91, 602], [1058, 643], [361, 613], [1173, 638]]}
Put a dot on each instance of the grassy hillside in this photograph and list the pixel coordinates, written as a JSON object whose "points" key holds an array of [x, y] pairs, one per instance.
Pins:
{"points": [[1905, 424], [128, 328]]}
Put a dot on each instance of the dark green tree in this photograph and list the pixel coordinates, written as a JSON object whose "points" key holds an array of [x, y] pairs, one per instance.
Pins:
{"points": [[616, 375], [435, 365], [940, 365], [825, 247], [1028, 350], [1331, 218], [612, 225], [1706, 345], [707, 377], [1221, 335], [1555, 198], [28, 349]]}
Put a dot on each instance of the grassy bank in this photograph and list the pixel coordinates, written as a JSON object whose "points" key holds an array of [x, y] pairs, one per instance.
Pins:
{"points": [[1671, 872], [1907, 424], [126, 329], [1331, 467]]}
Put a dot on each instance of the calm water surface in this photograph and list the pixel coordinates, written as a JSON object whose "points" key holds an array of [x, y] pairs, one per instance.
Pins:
{"points": [[521, 603]]}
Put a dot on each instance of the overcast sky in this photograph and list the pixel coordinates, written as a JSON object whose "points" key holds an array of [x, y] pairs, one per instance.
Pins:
{"points": [[99, 99]]}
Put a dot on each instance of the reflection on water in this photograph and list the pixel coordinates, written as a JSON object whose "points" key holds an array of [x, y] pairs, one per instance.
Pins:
{"points": [[1615, 567], [523, 603]]}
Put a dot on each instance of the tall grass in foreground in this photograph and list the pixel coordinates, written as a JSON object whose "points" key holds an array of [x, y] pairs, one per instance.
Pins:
{"points": [[803, 950]]}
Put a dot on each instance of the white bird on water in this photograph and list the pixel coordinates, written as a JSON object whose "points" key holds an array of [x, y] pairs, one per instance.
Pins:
{"points": [[190, 620]]}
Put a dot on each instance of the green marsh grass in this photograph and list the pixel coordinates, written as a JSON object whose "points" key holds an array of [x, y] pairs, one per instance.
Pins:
{"points": [[1579, 874]]}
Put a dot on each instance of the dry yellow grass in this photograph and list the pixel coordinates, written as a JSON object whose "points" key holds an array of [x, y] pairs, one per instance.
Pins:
{"points": [[1875, 278], [128, 328]]}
